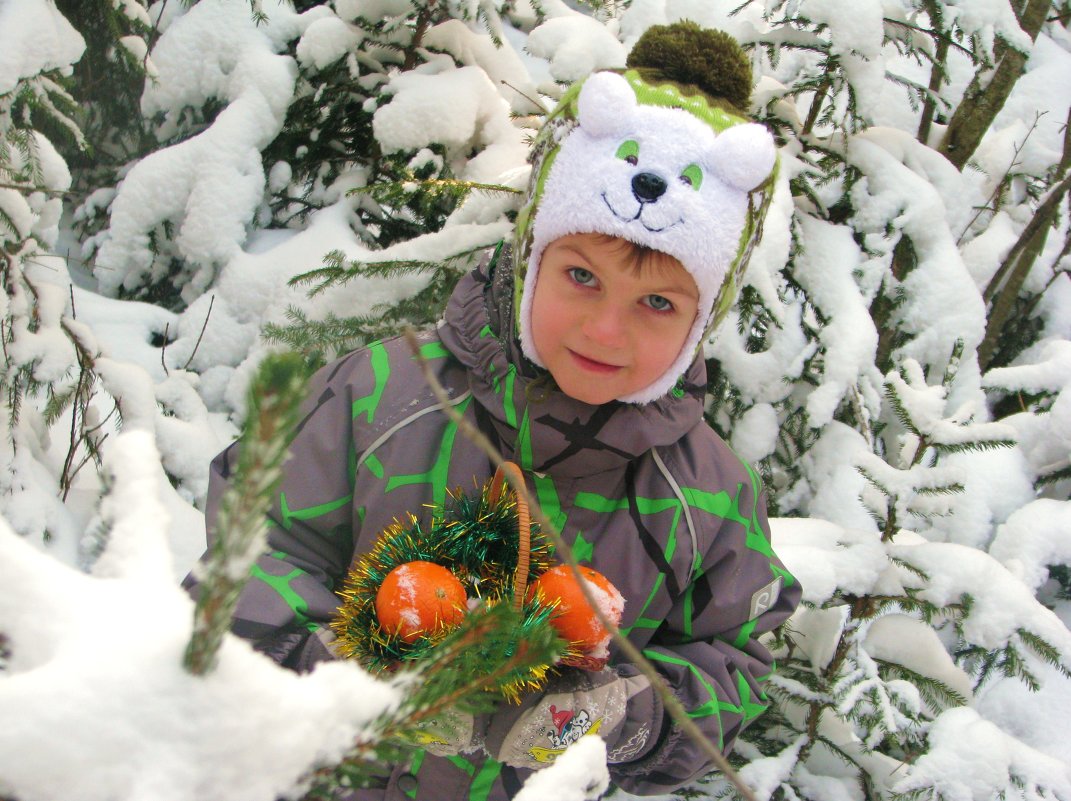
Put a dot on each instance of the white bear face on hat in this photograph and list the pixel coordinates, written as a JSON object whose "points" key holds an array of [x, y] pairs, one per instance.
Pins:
{"points": [[657, 176]]}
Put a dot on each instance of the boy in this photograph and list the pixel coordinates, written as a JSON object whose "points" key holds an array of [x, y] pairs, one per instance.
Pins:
{"points": [[578, 352]]}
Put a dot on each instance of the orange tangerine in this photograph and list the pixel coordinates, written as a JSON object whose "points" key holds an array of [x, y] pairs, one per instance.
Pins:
{"points": [[573, 617], [416, 598]]}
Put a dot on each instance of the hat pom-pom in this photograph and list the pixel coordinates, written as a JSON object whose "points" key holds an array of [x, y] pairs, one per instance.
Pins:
{"points": [[707, 59]]}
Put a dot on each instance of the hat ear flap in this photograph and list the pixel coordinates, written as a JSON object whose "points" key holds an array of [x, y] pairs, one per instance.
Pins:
{"points": [[605, 104], [743, 156]]}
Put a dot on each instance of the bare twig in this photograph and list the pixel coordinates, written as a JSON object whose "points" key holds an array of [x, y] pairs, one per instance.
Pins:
{"points": [[529, 98], [204, 325], [992, 202], [163, 350], [669, 700], [149, 45]]}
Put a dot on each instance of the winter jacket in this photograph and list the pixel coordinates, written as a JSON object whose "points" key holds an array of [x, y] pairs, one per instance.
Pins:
{"points": [[647, 495]]}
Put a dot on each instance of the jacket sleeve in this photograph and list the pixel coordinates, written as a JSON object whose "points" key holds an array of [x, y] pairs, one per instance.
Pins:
{"points": [[289, 596], [708, 647]]}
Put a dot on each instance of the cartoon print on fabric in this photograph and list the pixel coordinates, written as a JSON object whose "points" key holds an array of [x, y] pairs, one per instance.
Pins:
{"points": [[566, 727]]}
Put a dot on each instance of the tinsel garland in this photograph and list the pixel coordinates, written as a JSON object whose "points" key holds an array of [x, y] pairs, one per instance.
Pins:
{"points": [[475, 537]]}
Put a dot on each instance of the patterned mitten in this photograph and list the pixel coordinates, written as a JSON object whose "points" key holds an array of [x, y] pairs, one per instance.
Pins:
{"points": [[618, 704]]}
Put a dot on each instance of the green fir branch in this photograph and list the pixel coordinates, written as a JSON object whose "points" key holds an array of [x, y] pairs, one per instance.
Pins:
{"points": [[1053, 477], [945, 448], [274, 399], [953, 488], [1045, 650], [900, 410], [337, 270], [933, 691]]}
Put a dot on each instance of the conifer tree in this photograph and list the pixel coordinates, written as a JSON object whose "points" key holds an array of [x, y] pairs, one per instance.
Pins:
{"points": [[48, 358], [895, 394]]}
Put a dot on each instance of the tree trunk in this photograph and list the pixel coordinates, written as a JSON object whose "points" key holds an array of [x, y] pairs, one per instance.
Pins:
{"points": [[984, 99], [1016, 268], [937, 71], [904, 260]]}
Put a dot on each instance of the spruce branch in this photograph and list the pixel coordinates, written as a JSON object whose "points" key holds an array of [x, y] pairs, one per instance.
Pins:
{"points": [[670, 702], [1044, 649], [455, 674], [934, 692], [274, 398], [337, 270]]}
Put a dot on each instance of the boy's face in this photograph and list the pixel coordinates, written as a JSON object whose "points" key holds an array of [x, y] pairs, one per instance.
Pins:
{"points": [[602, 328]]}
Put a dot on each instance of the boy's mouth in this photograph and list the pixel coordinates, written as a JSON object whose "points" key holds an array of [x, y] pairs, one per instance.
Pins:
{"points": [[592, 365]]}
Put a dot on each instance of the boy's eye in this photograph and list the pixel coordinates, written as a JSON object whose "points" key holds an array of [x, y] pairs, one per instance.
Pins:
{"points": [[581, 276], [659, 303], [692, 176], [629, 151]]}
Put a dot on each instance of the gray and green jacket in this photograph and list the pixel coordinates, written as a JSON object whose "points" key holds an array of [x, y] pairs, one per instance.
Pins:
{"points": [[647, 495]]}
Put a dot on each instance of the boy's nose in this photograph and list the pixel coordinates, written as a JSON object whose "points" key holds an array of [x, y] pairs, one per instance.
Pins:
{"points": [[606, 326]]}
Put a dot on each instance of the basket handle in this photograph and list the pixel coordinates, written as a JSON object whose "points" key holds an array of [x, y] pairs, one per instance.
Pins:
{"points": [[524, 538]]}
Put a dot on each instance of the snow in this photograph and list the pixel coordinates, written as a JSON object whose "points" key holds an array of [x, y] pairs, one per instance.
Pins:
{"points": [[971, 757], [764, 775], [580, 774], [910, 642], [988, 19], [611, 605], [755, 436], [826, 269], [1032, 538], [34, 37], [212, 182], [326, 41], [135, 724], [1041, 87], [508, 66], [1037, 719], [458, 108], [825, 556], [949, 307], [575, 46], [1001, 604], [856, 39]]}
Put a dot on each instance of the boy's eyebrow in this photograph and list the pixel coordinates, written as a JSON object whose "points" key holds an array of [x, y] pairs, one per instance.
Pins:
{"points": [[577, 249], [680, 287]]}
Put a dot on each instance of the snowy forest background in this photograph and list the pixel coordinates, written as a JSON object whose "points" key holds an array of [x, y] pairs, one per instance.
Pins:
{"points": [[186, 187]]}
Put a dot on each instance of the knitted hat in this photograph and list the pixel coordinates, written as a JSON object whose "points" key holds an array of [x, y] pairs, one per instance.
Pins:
{"points": [[661, 155]]}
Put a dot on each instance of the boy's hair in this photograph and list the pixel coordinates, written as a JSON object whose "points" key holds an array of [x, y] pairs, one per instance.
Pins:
{"points": [[663, 159], [638, 259]]}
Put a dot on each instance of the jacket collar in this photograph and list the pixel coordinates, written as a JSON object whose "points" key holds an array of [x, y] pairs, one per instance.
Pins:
{"points": [[537, 425]]}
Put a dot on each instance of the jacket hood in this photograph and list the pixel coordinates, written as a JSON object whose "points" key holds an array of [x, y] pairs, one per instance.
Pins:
{"points": [[546, 430]]}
